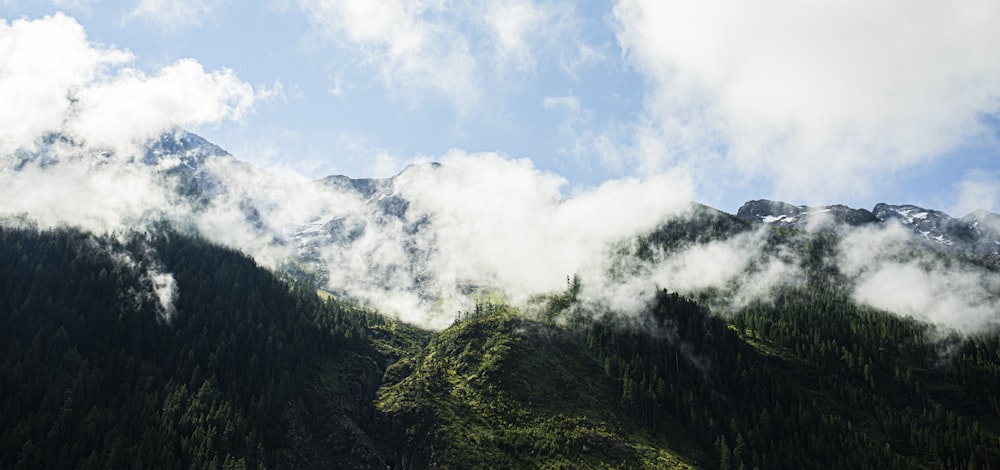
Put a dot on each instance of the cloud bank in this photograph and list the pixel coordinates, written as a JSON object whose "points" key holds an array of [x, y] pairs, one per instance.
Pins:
{"points": [[887, 273], [72, 147], [818, 100], [477, 224], [54, 80], [511, 222]]}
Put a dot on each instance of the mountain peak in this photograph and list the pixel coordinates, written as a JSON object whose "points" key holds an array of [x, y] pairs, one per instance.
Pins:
{"points": [[192, 149], [977, 232], [768, 211], [931, 224]]}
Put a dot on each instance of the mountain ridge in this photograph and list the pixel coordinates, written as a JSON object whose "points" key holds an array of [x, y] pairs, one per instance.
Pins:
{"points": [[976, 232], [161, 346], [368, 239]]}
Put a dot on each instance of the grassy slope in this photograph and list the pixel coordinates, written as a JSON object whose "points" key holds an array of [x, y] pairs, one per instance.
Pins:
{"points": [[504, 392]]}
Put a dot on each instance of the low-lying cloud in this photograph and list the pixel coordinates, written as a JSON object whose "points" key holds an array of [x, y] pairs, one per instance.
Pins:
{"points": [[477, 224], [433, 239], [90, 194], [506, 219], [888, 273], [485, 224], [740, 268]]}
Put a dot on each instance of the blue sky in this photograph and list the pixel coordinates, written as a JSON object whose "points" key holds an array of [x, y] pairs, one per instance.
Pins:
{"points": [[834, 102]]}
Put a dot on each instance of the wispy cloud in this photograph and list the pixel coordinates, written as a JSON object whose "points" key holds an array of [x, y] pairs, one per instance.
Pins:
{"points": [[487, 222], [979, 190], [887, 273], [407, 42], [84, 193], [174, 15], [575, 127], [445, 49], [518, 29]]}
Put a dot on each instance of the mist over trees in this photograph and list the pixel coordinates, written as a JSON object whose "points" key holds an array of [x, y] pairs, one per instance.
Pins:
{"points": [[95, 376], [165, 304], [239, 368]]}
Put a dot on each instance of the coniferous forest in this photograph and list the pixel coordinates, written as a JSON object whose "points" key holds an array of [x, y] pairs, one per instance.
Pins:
{"points": [[501, 234], [108, 364], [95, 375]]}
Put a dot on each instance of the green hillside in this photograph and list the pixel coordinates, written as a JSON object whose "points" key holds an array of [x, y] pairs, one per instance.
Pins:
{"points": [[497, 390], [94, 375], [239, 368]]}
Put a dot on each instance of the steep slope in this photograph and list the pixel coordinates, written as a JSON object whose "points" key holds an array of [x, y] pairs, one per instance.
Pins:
{"points": [[501, 391], [700, 224], [162, 350], [108, 362], [380, 214], [808, 378], [161, 347], [986, 226], [932, 225]]}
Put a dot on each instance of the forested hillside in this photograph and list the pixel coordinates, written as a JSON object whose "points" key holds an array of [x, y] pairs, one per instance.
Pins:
{"points": [[809, 378], [97, 374], [159, 350]]}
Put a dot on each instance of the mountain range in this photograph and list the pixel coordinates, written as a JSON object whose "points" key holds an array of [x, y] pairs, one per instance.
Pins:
{"points": [[381, 210], [242, 320], [974, 233]]}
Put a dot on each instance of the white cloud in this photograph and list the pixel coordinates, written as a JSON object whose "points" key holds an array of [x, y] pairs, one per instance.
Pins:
{"points": [[136, 105], [887, 274], [583, 56], [337, 89], [707, 265], [501, 222], [739, 267], [978, 190], [165, 289], [45, 62], [568, 103], [56, 81], [405, 40], [447, 49], [575, 127], [492, 223], [515, 26], [85, 194], [820, 99], [176, 14]]}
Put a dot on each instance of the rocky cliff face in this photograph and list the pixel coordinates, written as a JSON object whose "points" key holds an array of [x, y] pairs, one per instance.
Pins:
{"points": [[935, 226]]}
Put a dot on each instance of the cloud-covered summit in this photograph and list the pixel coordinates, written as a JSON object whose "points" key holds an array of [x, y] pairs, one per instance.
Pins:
{"points": [[655, 103], [814, 102]]}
